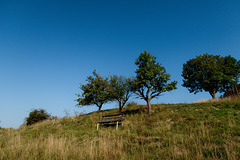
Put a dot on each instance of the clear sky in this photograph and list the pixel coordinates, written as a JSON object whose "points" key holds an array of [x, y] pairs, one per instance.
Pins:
{"points": [[47, 48]]}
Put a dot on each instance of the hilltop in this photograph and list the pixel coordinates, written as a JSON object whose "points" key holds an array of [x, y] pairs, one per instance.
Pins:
{"points": [[207, 130]]}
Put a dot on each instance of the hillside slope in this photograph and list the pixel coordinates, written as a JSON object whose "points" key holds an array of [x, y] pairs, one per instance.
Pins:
{"points": [[173, 131]]}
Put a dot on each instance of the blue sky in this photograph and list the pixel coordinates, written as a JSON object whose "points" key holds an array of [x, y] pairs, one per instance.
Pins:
{"points": [[47, 48]]}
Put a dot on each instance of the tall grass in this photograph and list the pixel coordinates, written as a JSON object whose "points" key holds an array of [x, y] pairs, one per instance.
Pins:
{"points": [[224, 99], [173, 131]]}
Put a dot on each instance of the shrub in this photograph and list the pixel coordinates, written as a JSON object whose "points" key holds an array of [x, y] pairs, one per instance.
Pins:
{"points": [[132, 104], [37, 115]]}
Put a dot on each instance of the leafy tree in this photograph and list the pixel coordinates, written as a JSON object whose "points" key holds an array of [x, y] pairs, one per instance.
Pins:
{"points": [[37, 115], [95, 92], [151, 79], [211, 73], [120, 89]]}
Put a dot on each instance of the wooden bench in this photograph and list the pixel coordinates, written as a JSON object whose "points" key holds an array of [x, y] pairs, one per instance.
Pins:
{"points": [[115, 118]]}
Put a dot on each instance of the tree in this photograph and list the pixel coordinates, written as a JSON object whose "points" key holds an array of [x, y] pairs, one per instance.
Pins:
{"points": [[120, 89], [211, 73], [94, 92], [37, 115], [151, 79]]}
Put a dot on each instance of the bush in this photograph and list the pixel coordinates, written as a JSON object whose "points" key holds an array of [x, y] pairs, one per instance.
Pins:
{"points": [[132, 104], [37, 115]]}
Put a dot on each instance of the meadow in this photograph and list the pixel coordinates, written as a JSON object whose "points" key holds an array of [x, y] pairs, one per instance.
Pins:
{"points": [[209, 130]]}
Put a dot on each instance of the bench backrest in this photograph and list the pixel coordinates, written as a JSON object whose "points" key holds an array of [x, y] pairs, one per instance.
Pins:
{"points": [[113, 117]]}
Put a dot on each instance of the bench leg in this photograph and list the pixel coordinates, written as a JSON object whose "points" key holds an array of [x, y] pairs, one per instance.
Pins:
{"points": [[117, 125], [97, 126]]}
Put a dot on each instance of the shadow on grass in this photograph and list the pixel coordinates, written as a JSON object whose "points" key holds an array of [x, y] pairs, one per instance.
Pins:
{"points": [[140, 109]]}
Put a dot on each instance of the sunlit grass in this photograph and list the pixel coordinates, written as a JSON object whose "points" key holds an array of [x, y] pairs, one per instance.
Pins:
{"points": [[208, 130]]}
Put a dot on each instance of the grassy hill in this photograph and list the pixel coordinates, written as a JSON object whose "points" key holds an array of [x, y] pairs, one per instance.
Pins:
{"points": [[174, 131]]}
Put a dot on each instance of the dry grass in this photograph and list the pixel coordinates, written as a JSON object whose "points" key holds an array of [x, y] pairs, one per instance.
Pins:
{"points": [[194, 131], [225, 99]]}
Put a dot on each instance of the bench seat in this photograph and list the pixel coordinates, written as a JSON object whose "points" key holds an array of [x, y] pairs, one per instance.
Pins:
{"points": [[116, 118]]}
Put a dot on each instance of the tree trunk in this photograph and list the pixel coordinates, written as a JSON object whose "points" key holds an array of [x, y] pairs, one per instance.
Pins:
{"points": [[99, 108], [213, 94], [120, 109], [237, 90], [149, 106], [214, 97], [120, 106]]}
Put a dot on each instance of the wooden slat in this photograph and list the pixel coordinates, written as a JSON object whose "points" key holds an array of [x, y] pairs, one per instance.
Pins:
{"points": [[114, 115], [108, 120], [113, 118]]}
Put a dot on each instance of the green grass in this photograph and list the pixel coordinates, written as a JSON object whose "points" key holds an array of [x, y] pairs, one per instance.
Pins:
{"points": [[173, 131]]}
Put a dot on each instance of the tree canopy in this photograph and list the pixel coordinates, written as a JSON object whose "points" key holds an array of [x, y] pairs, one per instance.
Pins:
{"points": [[120, 89], [211, 73], [151, 79], [95, 92]]}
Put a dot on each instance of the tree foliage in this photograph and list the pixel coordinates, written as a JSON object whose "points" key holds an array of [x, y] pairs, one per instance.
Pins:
{"points": [[37, 115], [151, 79], [120, 89], [211, 73], [95, 92]]}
